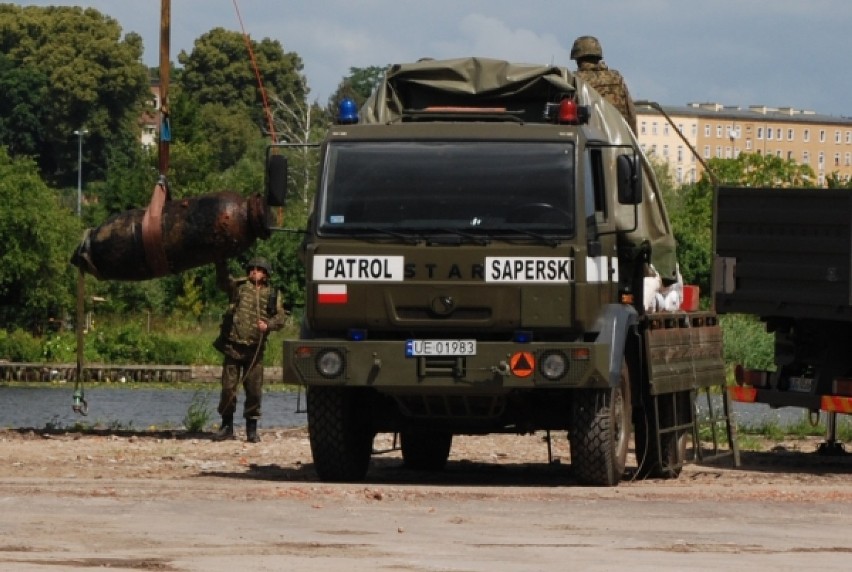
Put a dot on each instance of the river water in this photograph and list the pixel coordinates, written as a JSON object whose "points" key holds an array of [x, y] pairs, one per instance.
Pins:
{"points": [[137, 407], [133, 407]]}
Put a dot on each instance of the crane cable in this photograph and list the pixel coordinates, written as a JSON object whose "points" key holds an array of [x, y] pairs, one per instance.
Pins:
{"points": [[266, 110]]}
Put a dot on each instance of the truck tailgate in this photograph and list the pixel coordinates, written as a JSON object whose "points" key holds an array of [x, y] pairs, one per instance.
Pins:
{"points": [[784, 252]]}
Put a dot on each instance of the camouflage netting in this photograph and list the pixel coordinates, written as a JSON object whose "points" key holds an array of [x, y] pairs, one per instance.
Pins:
{"points": [[485, 82]]}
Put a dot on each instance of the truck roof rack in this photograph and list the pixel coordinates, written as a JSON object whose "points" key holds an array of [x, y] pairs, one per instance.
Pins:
{"points": [[463, 113]]}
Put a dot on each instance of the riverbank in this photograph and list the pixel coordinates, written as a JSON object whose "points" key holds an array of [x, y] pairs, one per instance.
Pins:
{"points": [[119, 373]]}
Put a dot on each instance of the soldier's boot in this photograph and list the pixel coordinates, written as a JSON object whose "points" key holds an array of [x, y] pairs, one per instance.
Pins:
{"points": [[226, 429], [251, 431]]}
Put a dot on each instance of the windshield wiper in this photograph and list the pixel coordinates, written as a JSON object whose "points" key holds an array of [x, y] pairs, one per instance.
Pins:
{"points": [[459, 234], [407, 238], [360, 230], [554, 242]]}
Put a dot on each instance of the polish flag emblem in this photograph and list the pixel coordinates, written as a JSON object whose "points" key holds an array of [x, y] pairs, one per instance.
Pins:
{"points": [[332, 294]]}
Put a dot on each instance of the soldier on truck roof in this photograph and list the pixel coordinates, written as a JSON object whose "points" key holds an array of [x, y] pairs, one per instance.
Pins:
{"points": [[588, 54]]}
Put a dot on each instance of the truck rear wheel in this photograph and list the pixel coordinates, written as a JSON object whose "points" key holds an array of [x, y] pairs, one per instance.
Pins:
{"points": [[340, 433], [424, 450], [600, 433]]}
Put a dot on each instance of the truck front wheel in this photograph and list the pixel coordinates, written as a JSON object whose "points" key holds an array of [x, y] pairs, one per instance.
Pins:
{"points": [[340, 433], [600, 433], [424, 450]]}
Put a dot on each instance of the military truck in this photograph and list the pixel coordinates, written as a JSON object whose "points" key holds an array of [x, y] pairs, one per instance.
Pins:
{"points": [[785, 255], [475, 263]]}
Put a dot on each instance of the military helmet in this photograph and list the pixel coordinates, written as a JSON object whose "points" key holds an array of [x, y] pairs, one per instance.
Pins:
{"points": [[259, 262], [586, 46]]}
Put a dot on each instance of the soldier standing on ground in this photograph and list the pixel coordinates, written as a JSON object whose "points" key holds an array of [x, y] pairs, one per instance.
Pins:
{"points": [[254, 311], [588, 54]]}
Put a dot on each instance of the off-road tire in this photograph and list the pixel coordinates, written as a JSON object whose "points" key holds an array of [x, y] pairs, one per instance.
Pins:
{"points": [[425, 450], [340, 434], [600, 433]]}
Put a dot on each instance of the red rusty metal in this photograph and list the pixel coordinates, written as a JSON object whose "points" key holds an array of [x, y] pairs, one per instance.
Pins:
{"points": [[193, 232]]}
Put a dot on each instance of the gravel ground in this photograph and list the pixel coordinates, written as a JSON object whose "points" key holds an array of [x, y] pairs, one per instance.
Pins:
{"points": [[175, 502]]}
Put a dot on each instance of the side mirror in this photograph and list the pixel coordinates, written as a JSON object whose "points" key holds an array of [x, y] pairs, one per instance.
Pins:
{"points": [[629, 176], [276, 180]]}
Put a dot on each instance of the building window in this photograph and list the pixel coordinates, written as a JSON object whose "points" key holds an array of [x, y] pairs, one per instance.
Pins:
{"points": [[680, 153], [769, 134], [760, 132], [837, 137], [821, 159], [707, 130], [748, 144], [848, 159], [665, 128], [789, 155], [790, 135], [778, 153], [837, 159], [806, 158], [679, 175], [806, 135], [719, 151], [665, 151], [822, 135], [694, 130], [642, 129], [707, 151], [849, 137], [653, 128]]}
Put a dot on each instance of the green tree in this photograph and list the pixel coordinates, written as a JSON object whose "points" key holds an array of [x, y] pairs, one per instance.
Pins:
{"points": [[834, 181], [38, 236], [758, 170], [94, 79], [22, 107], [219, 70]]}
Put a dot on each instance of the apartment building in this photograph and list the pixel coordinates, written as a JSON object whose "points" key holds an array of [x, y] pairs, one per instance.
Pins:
{"points": [[714, 130]]}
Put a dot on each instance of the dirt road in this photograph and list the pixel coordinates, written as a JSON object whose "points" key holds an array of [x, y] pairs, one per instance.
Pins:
{"points": [[166, 502]]}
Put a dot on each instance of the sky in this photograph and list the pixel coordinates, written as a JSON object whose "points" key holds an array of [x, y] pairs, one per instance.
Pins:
{"points": [[778, 53]]}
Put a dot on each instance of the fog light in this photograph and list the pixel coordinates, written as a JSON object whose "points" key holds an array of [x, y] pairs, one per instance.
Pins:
{"points": [[330, 363], [553, 365]]}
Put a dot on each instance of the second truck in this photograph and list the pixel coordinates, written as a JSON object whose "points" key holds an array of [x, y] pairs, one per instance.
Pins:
{"points": [[476, 259]]}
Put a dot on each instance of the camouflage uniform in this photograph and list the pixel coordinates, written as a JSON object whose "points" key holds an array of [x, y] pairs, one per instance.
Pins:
{"points": [[242, 343], [608, 83]]}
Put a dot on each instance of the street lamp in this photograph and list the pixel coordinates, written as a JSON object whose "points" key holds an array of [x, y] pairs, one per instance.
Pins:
{"points": [[79, 133]]}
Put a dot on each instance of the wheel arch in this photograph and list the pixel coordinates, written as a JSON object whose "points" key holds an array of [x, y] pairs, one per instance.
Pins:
{"points": [[614, 326]]}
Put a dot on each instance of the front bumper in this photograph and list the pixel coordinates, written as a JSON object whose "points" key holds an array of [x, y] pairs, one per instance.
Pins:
{"points": [[497, 367]]}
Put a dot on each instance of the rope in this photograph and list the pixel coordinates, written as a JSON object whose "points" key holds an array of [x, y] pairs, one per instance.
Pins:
{"points": [[80, 406], [257, 75]]}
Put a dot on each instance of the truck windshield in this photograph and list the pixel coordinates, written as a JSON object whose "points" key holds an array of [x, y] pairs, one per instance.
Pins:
{"points": [[493, 187]]}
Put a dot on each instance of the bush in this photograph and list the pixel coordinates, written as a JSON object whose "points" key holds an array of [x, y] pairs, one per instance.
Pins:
{"points": [[19, 346], [126, 344], [746, 342]]}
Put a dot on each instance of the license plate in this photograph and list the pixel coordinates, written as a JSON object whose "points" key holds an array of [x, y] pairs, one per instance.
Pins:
{"points": [[417, 348], [802, 384]]}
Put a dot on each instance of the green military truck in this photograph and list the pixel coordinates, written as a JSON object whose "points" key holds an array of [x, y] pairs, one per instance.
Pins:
{"points": [[475, 263]]}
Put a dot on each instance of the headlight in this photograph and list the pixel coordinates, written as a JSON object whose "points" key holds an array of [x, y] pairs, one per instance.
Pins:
{"points": [[330, 363], [553, 365]]}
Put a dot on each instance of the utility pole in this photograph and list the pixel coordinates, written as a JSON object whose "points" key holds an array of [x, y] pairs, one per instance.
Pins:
{"points": [[79, 133]]}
